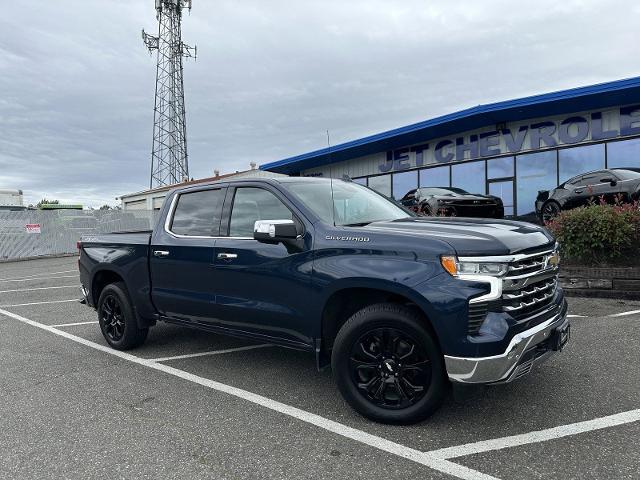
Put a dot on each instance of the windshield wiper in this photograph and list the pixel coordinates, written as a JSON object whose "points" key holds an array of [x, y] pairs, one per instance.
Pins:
{"points": [[360, 224]]}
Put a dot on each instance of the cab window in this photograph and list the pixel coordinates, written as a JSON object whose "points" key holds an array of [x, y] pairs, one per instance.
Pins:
{"points": [[198, 213], [591, 179], [251, 204]]}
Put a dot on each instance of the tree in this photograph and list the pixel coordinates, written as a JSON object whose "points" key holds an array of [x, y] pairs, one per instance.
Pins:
{"points": [[46, 201]]}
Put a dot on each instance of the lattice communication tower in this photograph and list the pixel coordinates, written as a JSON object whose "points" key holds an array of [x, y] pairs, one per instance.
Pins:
{"points": [[169, 159]]}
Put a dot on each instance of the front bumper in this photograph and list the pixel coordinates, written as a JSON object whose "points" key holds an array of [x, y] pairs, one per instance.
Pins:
{"points": [[525, 350]]}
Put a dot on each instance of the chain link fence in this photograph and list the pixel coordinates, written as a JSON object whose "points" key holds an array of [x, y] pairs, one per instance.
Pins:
{"points": [[35, 233]]}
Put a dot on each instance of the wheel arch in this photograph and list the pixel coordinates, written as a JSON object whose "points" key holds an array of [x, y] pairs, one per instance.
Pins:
{"points": [[346, 300], [100, 279], [107, 275]]}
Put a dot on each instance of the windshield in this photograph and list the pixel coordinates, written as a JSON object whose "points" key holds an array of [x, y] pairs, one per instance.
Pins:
{"points": [[350, 204], [627, 174], [439, 191]]}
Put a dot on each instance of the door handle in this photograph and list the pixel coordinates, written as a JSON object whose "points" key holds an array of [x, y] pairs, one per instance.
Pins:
{"points": [[578, 191], [160, 253], [227, 256]]}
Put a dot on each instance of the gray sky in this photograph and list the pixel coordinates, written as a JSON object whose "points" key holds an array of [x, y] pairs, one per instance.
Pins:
{"points": [[76, 83]]}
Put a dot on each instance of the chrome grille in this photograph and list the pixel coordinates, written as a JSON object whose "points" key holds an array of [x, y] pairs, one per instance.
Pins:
{"points": [[530, 265], [530, 284], [530, 299]]}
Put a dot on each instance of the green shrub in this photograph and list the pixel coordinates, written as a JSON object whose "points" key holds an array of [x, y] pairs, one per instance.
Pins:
{"points": [[598, 233]]}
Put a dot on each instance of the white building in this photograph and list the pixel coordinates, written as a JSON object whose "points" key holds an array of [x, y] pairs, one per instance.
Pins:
{"points": [[11, 200], [152, 199]]}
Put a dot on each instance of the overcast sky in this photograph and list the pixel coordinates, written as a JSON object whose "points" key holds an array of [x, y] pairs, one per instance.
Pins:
{"points": [[77, 85]]}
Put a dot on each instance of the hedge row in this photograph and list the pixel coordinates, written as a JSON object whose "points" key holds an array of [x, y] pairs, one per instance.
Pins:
{"points": [[599, 233]]}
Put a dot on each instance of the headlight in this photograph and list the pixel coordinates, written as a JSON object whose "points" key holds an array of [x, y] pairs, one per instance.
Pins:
{"points": [[457, 268]]}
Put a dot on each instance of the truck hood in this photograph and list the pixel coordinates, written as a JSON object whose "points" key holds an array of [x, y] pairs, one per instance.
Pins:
{"points": [[469, 236]]}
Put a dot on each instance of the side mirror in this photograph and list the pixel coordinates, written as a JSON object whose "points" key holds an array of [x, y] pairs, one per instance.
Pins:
{"points": [[274, 231], [610, 180]]}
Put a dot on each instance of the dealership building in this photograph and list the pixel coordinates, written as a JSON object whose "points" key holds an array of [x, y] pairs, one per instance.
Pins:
{"points": [[511, 149]]}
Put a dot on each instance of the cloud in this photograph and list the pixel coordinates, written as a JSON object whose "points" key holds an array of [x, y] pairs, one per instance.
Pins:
{"points": [[76, 108]]}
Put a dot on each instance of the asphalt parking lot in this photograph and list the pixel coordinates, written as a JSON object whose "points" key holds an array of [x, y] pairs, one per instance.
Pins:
{"points": [[189, 404]]}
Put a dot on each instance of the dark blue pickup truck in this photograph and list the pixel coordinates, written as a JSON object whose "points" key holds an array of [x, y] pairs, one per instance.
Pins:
{"points": [[399, 306]]}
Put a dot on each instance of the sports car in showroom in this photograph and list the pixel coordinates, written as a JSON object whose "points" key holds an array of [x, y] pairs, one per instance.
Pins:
{"points": [[613, 185], [453, 202]]}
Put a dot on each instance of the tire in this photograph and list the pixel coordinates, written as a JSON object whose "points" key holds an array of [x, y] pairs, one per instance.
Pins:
{"points": [[549, 211], [117, 320], [362, 371]]}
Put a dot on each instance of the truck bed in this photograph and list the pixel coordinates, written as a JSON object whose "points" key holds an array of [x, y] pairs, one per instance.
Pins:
{"points": [[141, 237]]}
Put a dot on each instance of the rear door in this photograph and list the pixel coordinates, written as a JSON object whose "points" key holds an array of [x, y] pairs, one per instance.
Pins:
{"points": [[182, 250], [262, 288]]}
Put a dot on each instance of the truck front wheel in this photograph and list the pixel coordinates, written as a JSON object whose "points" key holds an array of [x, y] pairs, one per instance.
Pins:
{"points": [[388, 366], [117, 320]]}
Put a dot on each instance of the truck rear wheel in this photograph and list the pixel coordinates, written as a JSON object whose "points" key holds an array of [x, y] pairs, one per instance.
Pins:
{"points": [[117, 321], [388, 366]]}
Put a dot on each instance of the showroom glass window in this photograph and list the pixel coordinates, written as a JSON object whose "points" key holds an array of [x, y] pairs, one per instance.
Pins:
{"points": [[198, 213], [435, 177], [534, 171], [504, 190], [403, 182], [469, 176], [381, 184], [500, 167], [251, 204], [577, 160], [625, 153], [361, 181]]}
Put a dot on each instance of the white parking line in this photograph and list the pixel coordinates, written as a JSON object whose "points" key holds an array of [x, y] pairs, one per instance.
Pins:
{"points": [[624, 314], [73, 324], [38, 278], [435, 463], [27, 277], [576, 316], [435, 459], [39, 303], [38, 288], [212, 352], [538, 436]]}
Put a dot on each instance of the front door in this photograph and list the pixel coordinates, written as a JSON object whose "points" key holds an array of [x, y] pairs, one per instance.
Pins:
{"points": [[182, 255], [586, 190], [262, 288], [504, 190]]}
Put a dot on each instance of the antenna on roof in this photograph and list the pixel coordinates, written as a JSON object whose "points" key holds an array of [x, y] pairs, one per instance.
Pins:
{"points": [[329, 147]]}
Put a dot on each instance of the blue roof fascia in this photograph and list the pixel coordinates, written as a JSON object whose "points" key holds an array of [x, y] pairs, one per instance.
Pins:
{"points": [[572, 100]]}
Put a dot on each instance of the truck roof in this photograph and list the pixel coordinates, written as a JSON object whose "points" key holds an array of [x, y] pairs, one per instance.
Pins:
{"points": [[266, 180]]}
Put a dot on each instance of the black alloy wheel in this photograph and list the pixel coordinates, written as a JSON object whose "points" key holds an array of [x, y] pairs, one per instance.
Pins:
{"points": [[388, 365], [117, 318], [550, 210], [113, 318], [389, 368]]}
